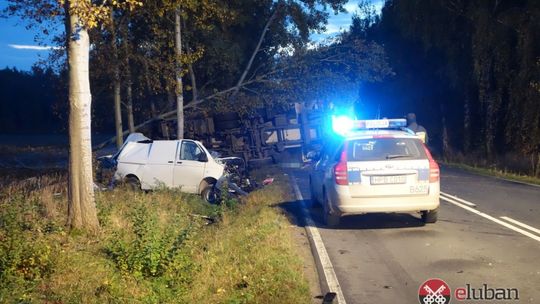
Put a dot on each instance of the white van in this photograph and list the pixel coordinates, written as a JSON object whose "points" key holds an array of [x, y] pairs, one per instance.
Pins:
{"points": [[186, 164]]}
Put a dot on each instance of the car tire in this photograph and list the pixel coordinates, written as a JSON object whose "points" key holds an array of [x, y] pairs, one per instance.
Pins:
{"points": [[210, 195], [314, 200], [132, 183], [330, 219], [430, 216]]}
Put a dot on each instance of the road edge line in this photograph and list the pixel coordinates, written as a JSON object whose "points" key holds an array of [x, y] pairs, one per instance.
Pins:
{"points": [[324, 265], [493, 219], [516, 222], [458, 199]]}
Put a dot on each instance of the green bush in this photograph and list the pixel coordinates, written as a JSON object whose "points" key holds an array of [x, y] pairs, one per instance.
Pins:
{"points": [[25, 255], [151, 248]]}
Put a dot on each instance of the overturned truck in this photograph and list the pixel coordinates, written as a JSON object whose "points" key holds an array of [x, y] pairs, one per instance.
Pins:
{"points": [[259, 139]]}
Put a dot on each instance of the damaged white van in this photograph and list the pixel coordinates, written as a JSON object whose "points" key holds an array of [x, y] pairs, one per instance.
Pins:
{"points": [[149, 164]]}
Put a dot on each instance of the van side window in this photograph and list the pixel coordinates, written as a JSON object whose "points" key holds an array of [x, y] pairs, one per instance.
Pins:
{"points": [[190, 151]]}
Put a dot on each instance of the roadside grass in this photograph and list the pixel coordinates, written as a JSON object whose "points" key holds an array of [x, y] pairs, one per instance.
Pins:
{"points": [[157, 247], [494, 172]]}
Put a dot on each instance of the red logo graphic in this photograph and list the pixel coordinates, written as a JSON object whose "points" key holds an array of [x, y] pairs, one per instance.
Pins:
{"points": [[434, 291]]}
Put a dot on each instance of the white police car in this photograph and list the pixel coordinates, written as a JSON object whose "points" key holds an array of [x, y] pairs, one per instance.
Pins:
{"points": [[376, 166]]}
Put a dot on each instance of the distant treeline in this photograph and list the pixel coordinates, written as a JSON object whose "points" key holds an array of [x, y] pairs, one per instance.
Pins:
{"points": [[31, 102], [471, 72]]}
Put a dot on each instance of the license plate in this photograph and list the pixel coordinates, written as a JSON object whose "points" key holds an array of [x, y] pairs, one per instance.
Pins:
{"points": [[388, 179]]}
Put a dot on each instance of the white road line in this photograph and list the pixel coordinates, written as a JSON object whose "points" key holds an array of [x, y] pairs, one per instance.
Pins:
{"points": [[513, 221], [491, 218], [328, 269], [459, 199]]}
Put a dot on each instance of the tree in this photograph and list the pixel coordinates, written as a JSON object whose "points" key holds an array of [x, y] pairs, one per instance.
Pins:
{"points": [[78, 17], [467, 68], [81, 206]]}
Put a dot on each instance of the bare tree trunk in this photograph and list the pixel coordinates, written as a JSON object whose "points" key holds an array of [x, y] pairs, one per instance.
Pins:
{"points": [[445, 141], [129, 106], [129, 84], [116, 86], [179, 87], [194, 91], [467, 125], [118, 112], [82, 212]]}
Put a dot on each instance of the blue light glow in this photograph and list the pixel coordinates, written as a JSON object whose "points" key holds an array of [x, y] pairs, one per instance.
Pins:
{"points": [[342, 124]]}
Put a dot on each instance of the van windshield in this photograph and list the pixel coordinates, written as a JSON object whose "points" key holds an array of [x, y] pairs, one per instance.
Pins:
{"points": [[376, 149]]}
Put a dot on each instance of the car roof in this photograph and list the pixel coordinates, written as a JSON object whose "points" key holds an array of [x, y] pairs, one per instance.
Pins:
{"points": [[363, 134]]}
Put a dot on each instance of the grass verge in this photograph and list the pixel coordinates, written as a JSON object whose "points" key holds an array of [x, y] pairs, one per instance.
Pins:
{"points": [[494, 172], [156, 247]]}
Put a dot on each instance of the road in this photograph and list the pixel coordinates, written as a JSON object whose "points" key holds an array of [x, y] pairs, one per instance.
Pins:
{"points": [[384, 258]]}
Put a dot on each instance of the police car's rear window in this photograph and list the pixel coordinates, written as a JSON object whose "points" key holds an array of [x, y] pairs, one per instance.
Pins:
{"points": [[375, 149]]}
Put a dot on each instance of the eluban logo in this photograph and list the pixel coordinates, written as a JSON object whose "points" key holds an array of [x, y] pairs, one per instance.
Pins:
{"points": [[486, 293], [434, 291]]}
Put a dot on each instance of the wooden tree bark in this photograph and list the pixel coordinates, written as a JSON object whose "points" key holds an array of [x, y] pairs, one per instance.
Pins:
{"points": [[179, 87], [129, 105], [116, 86], [82, 212], [128, 80]]}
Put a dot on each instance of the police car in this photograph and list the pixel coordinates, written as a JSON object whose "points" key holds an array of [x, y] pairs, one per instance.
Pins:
{"points": [[375, 166]]}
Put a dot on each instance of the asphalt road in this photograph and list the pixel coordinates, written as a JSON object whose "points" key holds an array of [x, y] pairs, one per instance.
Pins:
{"points": [[384, 258]]}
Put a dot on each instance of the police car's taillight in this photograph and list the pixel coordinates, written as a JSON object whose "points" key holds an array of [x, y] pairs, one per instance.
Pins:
{"points": [[340, 169], [434, 172]]}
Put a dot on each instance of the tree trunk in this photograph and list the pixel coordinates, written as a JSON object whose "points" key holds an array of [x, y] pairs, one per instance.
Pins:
{"points": [[179, 88], [129, 106], [82, 212], [116, 85], [118, 111], [129, 84], [467, 125]]}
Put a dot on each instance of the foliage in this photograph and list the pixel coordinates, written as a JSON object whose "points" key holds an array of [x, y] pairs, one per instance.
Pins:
{"points": [[468, 69], [155, 247], [148, 250]]}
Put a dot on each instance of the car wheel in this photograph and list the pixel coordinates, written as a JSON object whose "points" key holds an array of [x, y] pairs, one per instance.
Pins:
{"points": [[314, 199], [430, 216], [209, 194], [132, 183], [330, 219]]}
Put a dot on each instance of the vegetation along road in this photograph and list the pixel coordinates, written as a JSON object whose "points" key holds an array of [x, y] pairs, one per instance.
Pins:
{"points": [[487, 233]]}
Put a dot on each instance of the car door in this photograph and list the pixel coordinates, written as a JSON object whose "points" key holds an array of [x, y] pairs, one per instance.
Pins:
{"points": [[158, 171], [189, 166]]}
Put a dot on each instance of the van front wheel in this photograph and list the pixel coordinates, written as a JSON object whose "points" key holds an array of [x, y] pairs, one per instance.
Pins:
{"points": [[209, 194]]}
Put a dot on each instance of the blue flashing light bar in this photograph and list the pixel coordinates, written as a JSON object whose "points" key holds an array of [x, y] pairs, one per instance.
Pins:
{"points": [[380, 123], [342, 124]]}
